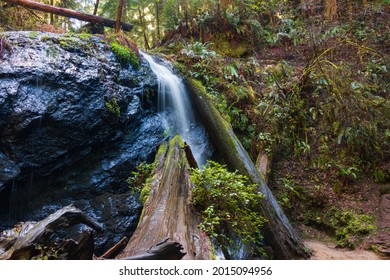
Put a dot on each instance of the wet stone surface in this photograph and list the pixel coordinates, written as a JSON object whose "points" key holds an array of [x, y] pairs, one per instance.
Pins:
{"points": [[62, 141]]}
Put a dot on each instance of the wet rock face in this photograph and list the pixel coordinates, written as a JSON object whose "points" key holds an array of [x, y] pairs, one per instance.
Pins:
{"points": [[73, 124]]}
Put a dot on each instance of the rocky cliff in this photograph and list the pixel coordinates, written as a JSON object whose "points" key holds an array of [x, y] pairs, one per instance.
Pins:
{"points": [[73, 124]]}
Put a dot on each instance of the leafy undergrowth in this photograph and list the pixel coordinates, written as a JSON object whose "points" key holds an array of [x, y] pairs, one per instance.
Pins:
{"points": [[228, 205], [317, 103]]}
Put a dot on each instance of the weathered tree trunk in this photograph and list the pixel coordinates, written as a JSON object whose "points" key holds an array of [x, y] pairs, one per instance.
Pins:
{"points": [[119, 16], [278, 231], [69, 13], [19, 243], [167, 212]]}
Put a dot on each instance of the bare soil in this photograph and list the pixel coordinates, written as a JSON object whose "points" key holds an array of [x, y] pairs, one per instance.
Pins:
{"points": [[328, 251]]}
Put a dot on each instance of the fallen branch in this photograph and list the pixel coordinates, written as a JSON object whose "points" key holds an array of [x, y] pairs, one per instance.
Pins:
{"points": [[69, 13], [19, 243], [115, 250]]}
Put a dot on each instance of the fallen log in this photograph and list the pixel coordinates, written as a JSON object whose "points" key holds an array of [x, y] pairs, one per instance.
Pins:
{"points": [[69, 13], [161, 251], [20, 242], [168, 213], [278, 231]]}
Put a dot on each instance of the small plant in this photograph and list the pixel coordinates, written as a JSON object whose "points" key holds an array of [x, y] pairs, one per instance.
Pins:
{"points": [[227, 203], [379, 176], [266, 142], [138, 180], [45, 37], [84, 36], [33, 35], [113, 107], [291, 193], [198, 51], [4, 46], [349, 226], [124, 54], [347, 173]]}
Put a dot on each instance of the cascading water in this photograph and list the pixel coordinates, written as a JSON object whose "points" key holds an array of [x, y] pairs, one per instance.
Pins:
{"points": [[178, 114], [177, 111]]}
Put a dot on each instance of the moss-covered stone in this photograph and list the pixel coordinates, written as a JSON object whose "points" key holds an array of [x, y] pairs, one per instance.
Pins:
{"points": [[229, 48], [125, 55]]}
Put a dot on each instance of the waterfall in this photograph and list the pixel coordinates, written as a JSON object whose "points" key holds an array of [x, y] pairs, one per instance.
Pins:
{"points": [[177, 111]]}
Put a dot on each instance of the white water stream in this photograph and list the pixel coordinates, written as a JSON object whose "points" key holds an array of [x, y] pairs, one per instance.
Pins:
{"points": [[177, 111]]}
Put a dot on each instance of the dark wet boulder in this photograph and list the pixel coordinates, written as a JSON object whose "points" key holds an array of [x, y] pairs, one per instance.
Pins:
{"points": [[73, 124]]}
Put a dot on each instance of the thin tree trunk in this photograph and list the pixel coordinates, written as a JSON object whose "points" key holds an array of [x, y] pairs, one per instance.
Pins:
{"points": [[331, 9], [350, 15], [143, 26], [96, 7], [119, 16], [68, 13], [51, 14], [158, 19]]}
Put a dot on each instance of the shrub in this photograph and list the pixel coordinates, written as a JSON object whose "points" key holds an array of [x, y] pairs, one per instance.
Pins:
{"points": [[138, 181], [227, 203], [113, 107], [349, 226]]}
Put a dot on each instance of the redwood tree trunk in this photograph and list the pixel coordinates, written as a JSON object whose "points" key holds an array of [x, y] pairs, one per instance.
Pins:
{"points": [[167, 212], [68, 13], [119, 16]]}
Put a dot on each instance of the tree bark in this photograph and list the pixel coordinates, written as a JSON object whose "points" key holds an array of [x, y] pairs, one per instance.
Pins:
{"points": [[331, 9], [161, 251], [157, 3], [167, 212], [143, 26], [96, 8], [51, 14], [69, 13], [119, 16]]}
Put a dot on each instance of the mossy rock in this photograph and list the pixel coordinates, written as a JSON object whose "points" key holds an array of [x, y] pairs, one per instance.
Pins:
{"points": [[125, 55], [229, 48]]}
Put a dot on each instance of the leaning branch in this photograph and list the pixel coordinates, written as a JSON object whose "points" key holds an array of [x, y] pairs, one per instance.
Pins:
{"points": [[69, 13]]}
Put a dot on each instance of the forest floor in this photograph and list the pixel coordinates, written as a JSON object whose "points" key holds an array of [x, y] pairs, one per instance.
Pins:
{"points": [[316, 195], [362, 197], [328, 251], [366, 199]]}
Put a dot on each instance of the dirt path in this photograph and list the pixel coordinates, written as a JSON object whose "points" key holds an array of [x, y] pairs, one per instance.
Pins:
{"points": [[323, 251]]}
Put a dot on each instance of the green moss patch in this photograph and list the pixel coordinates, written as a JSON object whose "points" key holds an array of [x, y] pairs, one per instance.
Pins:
{"points": [[125, 55]]}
